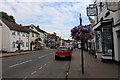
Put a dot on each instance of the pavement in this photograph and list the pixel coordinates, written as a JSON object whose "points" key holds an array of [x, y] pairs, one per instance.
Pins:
{"points": [[93, 68]]}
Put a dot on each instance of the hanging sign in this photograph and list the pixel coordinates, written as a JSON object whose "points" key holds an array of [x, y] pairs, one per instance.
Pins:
{"points": [[19, 42], [91, 10]]}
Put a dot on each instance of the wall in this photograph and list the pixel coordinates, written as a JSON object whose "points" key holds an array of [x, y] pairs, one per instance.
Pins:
{"points": [[25, 40], [0, 36], [5, 37], [14, 38], [32, 39]]}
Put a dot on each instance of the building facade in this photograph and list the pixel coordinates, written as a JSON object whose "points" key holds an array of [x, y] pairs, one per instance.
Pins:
{"points": [[107, 31], [34, 37], [10, 34], [0, 37]]}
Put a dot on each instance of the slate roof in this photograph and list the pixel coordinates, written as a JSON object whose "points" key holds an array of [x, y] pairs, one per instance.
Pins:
{"points": [[13, 26]]}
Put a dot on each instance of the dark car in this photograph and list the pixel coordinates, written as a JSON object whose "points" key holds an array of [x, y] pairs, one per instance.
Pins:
{"points": [[63, 53]]}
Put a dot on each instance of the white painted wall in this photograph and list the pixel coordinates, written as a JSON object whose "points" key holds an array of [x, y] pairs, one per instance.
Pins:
{"points": [[8, 39], [14, 38], [116, 43], [0, 36], [5, 37]]}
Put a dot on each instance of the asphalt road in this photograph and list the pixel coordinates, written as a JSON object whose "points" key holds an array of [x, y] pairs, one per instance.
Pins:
{"points": [[38, 65]]}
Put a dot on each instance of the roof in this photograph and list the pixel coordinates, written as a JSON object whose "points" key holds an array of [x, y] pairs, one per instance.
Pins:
{"points": [[29, 30], [13, 26], [40, 30]]}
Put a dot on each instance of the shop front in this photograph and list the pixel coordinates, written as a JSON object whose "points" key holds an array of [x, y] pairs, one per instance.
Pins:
{"points": [[104, 38]]}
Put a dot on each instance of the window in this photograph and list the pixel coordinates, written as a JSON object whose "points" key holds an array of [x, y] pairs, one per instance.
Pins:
{"points": [[23, 35], [26, 44], [31, 27], [36, 35], [26, 35], [18, 33], [23, 45], [13, 44], [13, 33], [32, 34]]}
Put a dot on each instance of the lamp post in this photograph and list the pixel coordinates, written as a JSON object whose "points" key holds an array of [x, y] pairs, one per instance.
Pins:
{"points": [[82, 44]]}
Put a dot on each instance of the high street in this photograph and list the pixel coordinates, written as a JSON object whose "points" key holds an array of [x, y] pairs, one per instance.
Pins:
{"points": [[36, 65]]}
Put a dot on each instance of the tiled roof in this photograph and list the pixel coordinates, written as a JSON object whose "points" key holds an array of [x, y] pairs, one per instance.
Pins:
{"points": [[13, 26], [29, 30], [40, 30]]}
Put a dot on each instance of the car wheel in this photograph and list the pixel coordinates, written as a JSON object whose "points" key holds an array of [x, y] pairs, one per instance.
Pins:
{"points": [[69, 59], [56, 58]]}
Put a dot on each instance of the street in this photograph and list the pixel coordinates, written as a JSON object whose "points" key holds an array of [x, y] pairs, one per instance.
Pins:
{"points": [[38, 65]]}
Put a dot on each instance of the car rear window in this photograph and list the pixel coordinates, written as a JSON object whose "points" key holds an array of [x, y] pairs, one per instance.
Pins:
{"points": [[62, 49]]}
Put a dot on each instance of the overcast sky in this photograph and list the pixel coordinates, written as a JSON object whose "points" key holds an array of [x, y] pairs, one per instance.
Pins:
{"points": [[51, 15]]}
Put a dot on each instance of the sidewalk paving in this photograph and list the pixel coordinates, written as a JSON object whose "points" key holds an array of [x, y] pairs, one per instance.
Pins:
{"points": [[20, 53], [93, 68]]}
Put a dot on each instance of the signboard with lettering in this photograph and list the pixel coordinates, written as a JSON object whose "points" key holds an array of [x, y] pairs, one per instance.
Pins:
{"points": [[91, 11]]}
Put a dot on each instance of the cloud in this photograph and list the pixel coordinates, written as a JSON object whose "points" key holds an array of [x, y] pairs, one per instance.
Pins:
{"points": [[57, 17]]}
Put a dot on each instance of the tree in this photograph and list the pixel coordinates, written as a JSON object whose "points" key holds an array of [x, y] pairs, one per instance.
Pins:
{"points": [[5, 16]]}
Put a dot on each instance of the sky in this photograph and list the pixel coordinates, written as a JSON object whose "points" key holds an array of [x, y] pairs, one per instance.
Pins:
{"points": [[58, 16]]}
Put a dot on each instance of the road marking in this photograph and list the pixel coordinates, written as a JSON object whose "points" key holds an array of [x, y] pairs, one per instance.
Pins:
{"points": [[40, 68], [33, 72], [19, 63], [42, 56]]}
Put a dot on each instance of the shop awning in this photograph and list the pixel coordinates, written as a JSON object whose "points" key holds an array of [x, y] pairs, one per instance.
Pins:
{"points": [[102, 23]]}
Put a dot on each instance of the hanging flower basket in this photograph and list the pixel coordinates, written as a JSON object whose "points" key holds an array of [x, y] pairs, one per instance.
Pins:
{"points": [[82, 32]]}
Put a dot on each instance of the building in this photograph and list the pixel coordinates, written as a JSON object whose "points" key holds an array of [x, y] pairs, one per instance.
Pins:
{"points": [[53, 40], [11, 33], [34, 37], [42, 36], [0, 37], [107, 32]]}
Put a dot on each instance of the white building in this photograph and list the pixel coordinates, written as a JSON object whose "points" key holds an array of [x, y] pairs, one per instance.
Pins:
{"points": [[0, 37], [42, 36], [10, 34], [107, 31]]}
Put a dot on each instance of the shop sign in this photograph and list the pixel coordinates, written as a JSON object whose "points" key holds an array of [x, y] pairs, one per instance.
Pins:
{"points": [[91, 11], [19, 42]]}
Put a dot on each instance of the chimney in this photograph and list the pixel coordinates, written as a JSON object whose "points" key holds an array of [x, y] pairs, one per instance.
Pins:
{"points": [[37, 26], [20, 24], [54, 33]]}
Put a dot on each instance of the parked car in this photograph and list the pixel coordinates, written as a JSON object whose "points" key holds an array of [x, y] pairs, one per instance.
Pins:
{"points": [[63, 53], [70, 47]]}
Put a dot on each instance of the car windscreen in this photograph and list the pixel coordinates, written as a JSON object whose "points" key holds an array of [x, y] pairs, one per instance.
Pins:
{"points": [[62, 49]]}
